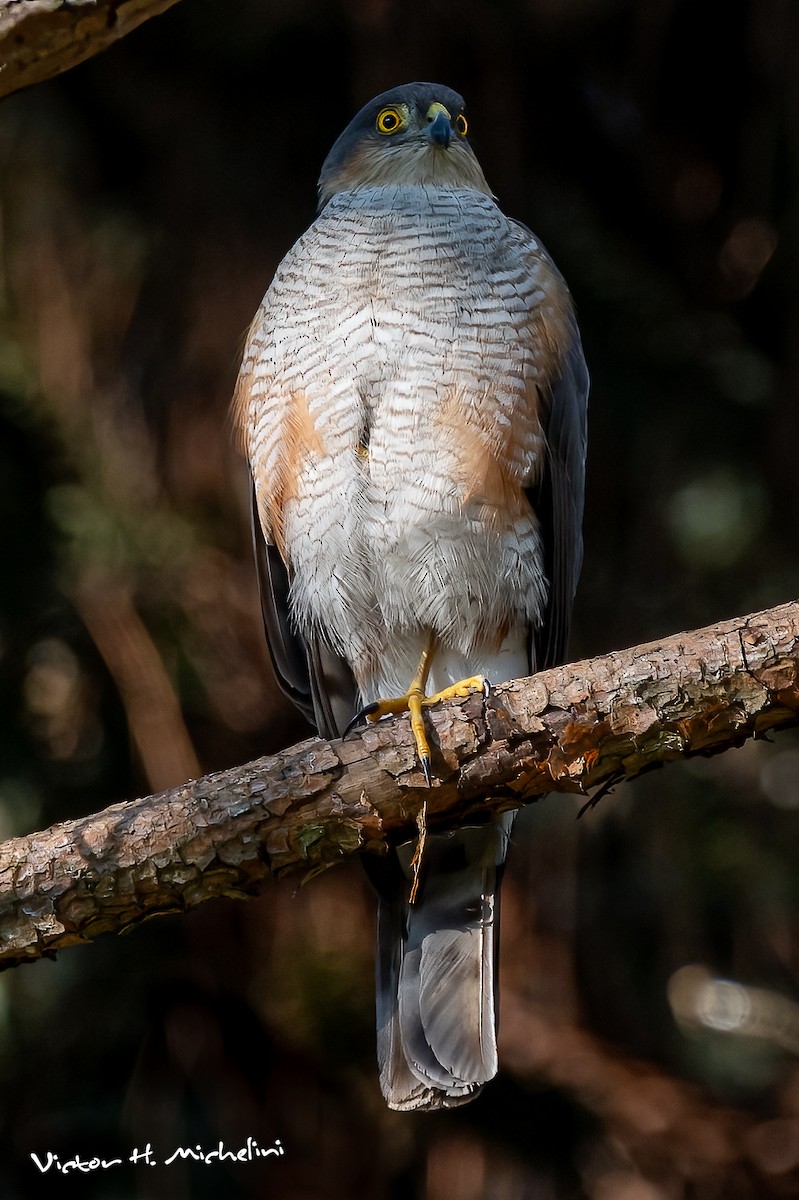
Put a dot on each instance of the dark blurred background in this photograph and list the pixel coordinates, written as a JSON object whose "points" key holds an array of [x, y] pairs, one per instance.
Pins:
{"points": [[650, 978]]}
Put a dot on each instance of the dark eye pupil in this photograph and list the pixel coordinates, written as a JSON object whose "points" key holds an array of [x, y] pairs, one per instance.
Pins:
{"points": [[389, 120]]}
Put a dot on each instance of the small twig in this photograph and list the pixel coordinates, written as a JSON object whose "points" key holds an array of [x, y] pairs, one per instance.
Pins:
{"points": [[416, 861]]}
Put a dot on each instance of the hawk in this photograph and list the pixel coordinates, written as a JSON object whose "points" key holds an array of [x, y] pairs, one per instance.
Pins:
{"points": [[413, 402]]}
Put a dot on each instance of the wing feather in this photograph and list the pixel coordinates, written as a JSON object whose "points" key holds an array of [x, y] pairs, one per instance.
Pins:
{"points": [[315, 679], [557, 497], [558, 500]]}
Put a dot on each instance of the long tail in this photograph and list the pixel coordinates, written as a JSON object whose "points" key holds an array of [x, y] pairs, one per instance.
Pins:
{"points": [[436, 969]]}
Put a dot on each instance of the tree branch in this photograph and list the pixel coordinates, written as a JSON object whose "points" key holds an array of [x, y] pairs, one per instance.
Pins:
{"points": [[42, 38], [568, 729]]}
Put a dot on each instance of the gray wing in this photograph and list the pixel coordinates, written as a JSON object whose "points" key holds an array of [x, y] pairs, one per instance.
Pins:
{"points": [[558, 501], [558, 497], [317, 681]]}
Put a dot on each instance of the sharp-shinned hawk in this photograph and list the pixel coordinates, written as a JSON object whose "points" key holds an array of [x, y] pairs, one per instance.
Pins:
{"points": [[413, 400]]}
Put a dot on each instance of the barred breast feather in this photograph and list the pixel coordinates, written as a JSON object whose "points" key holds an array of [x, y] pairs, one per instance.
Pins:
{"points": [[391, 393]]}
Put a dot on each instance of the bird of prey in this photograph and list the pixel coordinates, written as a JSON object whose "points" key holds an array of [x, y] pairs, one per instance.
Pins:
{"points": [[413, 402]]}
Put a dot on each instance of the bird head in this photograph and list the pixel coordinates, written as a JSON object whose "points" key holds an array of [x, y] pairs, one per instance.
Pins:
{"points": [[416, 134]]}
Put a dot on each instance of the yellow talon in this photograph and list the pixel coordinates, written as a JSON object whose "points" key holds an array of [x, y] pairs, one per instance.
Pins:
{"points": [[456, 691]]}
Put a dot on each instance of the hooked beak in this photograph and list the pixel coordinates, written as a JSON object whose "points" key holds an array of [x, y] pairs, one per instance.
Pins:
{"points": [[439, 127]]}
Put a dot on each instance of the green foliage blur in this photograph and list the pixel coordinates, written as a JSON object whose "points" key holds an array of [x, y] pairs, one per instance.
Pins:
{"points": [[650, 1012]]}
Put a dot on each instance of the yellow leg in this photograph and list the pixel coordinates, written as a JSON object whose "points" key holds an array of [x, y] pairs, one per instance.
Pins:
{"points": [[411, 703], [415, 700]]}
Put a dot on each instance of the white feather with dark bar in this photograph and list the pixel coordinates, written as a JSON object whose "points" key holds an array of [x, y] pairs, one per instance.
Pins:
{"points": [[394, 370]]}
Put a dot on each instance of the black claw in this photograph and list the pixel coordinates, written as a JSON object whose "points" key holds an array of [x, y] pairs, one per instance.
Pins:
{"points": [[361, 715], [424, 763], [486, 687]]}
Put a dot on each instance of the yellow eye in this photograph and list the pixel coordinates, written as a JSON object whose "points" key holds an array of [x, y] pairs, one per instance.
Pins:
{"points": [[389, 120], [461, 124]]}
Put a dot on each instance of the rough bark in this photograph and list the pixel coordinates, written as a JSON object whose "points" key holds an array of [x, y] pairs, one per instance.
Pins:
{"points": [[569, 729], [42, 38]]}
